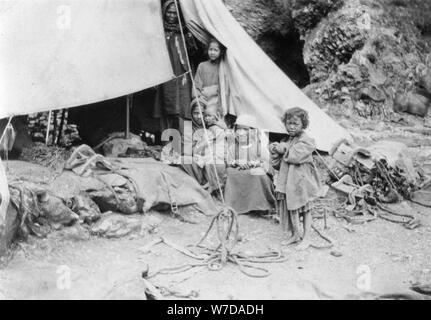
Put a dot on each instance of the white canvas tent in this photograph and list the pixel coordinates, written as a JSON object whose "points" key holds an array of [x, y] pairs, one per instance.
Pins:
{"points": [[61, 54]]}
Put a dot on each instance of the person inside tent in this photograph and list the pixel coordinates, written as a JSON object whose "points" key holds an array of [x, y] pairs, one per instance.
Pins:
{"points": [[190, 141], [209, 152], [207, 75], [173, 98], [248, 184]]}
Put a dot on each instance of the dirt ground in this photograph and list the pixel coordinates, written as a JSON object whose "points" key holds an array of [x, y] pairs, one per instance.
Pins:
{"points": [[111, 269]]}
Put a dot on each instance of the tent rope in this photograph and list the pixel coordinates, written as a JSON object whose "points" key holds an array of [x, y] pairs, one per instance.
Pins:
{"points": [[5, 129], [195, 91]]}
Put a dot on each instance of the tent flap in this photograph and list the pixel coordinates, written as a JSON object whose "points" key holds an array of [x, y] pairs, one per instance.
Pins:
{"points": [[257, 86], [58, 54]]}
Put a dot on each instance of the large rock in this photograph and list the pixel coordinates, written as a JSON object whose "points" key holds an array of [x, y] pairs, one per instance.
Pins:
{"points": [[335, 41], [259, 17], [262, 17], [278, 25], [307, 14], [359, 53], [362, 55]]}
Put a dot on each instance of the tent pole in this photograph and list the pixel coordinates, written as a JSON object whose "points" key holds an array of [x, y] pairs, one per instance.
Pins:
{"points": [[60, 131], [129, 106], [48, 125], [55, 125]]}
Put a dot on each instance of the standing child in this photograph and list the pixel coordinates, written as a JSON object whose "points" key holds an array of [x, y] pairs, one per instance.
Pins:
{"points": [[298, 182], [207, 76]]}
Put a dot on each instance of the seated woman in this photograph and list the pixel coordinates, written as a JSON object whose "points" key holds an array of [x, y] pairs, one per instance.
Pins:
{"points": [[189, 164], [248, 186]]}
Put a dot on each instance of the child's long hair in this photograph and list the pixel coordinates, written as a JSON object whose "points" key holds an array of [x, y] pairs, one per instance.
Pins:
{"points": [[297, 112], [220, 45]]}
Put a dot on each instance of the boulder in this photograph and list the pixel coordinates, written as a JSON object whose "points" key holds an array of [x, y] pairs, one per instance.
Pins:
{"points": [[335, 40], [278, 27], [412, 103], [363, 53]]}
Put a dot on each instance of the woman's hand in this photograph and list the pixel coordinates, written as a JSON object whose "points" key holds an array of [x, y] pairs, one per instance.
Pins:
{"points": [[244, 166]]}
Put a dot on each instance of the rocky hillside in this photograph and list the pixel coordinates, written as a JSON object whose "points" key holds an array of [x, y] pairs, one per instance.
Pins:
{"points": [[353, 57]]}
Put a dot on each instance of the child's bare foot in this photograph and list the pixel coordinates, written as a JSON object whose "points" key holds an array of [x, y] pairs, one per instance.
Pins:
{"points": [[304, 245], [292, 240]]}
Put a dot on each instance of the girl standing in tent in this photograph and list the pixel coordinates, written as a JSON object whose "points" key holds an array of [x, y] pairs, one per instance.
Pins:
{"points": [[298, 182], [207, 76], [173, 98]]}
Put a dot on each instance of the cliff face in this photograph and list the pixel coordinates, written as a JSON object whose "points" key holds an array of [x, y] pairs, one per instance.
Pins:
{"points": [[364, 55], [353, 56], [280, 27]]}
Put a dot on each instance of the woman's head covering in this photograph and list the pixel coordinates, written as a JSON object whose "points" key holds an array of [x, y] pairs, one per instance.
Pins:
{"points": [[166, 5], [171, 26], [246, 120], [203, 103]]}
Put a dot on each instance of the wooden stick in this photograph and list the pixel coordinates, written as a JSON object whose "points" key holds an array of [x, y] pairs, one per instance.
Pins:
{"points": [[48, 127], [54, 131], [129, 106], [60, 130]]}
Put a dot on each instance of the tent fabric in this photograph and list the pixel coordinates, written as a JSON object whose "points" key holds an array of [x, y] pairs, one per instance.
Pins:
{"points": [[60, 54], [256, 85]]}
